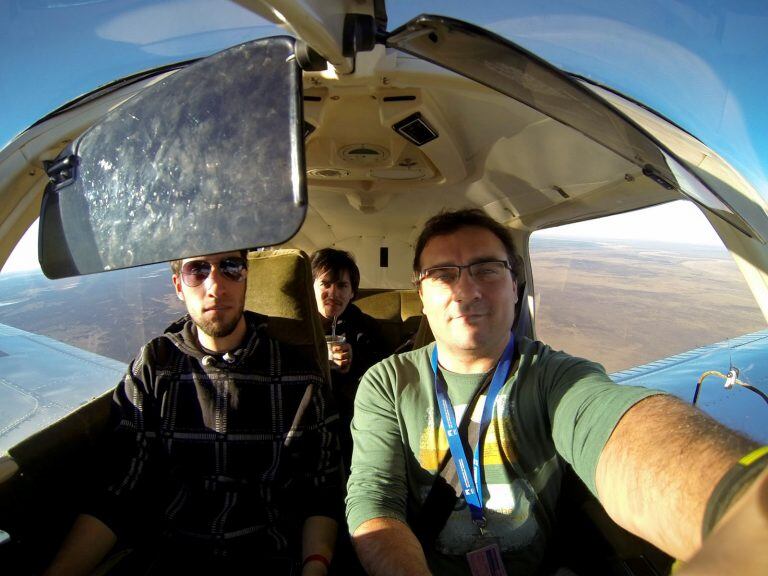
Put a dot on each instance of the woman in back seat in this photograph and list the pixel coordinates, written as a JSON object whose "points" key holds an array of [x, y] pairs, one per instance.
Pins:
{"points": [[335, 280]]}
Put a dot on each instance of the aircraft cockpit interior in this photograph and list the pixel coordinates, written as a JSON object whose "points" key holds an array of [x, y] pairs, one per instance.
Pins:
{"points": [[347, 125]]}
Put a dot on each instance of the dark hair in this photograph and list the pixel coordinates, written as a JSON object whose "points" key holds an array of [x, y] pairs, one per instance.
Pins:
{"points": [[449, 222], [334, 262], [176, 264]]}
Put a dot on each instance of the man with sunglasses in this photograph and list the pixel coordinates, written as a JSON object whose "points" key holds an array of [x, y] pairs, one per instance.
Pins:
{"points": [[460, 447], [224, 459]]}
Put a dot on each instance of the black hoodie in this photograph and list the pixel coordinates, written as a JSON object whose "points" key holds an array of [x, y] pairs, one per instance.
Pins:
{"points": [[221, 455]]}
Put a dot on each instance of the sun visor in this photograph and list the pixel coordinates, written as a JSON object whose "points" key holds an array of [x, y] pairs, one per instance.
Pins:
{"points": [[495, 62], [210, 159]]}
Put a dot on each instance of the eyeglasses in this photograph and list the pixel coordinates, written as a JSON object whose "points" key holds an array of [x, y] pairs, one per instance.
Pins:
{"points": [[195, 272], [487, 272]]}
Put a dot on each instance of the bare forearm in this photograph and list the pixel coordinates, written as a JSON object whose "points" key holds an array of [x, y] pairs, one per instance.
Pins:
{"points": [[387, 547], [737, 544], [318, 537], [660, 466], [87, 543]]}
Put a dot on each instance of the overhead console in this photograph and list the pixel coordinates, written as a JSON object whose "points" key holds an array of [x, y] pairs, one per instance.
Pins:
{"points": [[377, 138]]}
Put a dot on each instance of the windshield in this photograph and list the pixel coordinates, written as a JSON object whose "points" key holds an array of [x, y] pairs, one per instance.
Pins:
{"points": [[700, 64], [117, 38]]}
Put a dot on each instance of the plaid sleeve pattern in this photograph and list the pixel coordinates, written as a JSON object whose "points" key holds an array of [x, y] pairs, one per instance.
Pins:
{"points": [[226, 457]]}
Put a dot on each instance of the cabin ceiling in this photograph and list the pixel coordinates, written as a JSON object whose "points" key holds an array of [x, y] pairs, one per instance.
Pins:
{"points": [[522, 167]]}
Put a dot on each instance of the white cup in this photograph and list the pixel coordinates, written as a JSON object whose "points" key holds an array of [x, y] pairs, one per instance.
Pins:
{"points": [[329, 342]]}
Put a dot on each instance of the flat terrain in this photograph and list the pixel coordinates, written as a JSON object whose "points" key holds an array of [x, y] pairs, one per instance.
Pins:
{"points": [[110, 314], [623, 305], [632, 303]]}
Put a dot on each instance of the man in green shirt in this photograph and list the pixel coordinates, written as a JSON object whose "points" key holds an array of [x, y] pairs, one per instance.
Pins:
{"points": [[410, 512]]}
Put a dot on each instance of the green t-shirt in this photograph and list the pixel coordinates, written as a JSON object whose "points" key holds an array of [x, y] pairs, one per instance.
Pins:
{"points": [[552, 404]]}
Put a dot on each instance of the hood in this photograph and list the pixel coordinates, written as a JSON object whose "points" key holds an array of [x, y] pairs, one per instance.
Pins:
{"points": [[183, 334]]}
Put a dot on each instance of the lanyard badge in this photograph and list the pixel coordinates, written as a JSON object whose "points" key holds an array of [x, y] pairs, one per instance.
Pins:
{"points": [[485, 560]]}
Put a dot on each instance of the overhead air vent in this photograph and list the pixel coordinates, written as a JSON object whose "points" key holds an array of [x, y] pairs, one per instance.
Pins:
{"points": [[415, 129], [328, 173], [364, 154]]}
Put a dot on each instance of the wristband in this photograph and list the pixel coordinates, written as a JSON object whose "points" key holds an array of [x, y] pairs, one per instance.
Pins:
{"points": [[732, 485], [317, 558]]}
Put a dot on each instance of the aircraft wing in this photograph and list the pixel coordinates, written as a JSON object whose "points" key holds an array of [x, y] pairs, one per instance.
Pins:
{"points": [[737, 407], [42, 380]]}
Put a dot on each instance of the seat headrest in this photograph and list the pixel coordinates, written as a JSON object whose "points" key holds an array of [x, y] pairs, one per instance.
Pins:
{"points": [[280, 287], [397, 305]]}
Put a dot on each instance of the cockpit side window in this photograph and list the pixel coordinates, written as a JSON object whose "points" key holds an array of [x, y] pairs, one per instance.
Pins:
{"points": [[63, 342], [635, 288]]}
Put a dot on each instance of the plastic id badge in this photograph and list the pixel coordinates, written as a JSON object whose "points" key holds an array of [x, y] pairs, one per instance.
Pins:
{"points": [[486, 561]]}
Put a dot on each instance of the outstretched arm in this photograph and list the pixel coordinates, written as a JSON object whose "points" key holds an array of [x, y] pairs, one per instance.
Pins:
{"points": [[737, 544], [388, 547], [659, 468]]}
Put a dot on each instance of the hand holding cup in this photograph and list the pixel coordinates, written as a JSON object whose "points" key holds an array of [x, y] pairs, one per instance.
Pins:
{"points": [[339, 353]]}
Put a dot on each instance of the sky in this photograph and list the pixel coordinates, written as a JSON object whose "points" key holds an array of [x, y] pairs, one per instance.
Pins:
{"points": [[701, 63]]}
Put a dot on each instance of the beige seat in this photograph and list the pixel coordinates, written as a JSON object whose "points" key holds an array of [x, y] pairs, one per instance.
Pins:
{"points": [[280, 287], [423, 335], [398, 313]]}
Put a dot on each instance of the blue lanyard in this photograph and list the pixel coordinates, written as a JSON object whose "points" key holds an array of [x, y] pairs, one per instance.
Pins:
{"points": [[471, 484]]}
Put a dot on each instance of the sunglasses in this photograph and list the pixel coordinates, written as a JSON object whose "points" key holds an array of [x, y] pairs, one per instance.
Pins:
{"points": [[195, 272]]}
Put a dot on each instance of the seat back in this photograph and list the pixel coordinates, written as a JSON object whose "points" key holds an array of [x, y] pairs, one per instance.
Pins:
{"points": [[397, 311], [423, 335], [280, 287]]}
